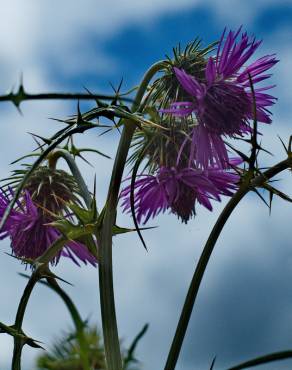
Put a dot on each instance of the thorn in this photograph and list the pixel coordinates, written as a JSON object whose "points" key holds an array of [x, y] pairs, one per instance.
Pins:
{"points": [[52, 275], [94, 186], [98, 102], [45, 140], [68, 122], [79, 120], [21, 87], [17, 105], [39, 188], [40, 146], [28, 261], [213, 363], [261, 197], [33, 343], [282, 142], [85, 160], [271, 200]]}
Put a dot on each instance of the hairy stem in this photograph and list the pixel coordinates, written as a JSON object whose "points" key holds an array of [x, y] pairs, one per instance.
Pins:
{"points": [[206, 254], [107, 301]]}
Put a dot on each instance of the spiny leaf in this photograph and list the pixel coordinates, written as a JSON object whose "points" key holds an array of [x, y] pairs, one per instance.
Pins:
{"points": [[85, 216], [26, 156], [131, 351]]}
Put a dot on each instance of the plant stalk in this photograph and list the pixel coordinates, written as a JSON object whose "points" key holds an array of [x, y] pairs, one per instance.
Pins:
{"points": [[107, 301], [248, 184], [18, 341], [55, 155]]}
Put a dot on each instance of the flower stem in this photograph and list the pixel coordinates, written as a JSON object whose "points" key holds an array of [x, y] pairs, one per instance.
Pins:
{"points": [[55, 155], [107, 301], [76, 318], [197, 278], [41, 270], [19, 342], [248, 184]]}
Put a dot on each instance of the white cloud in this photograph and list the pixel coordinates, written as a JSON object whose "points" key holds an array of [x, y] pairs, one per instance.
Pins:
{"points": [[32, 30], [59, 29]]}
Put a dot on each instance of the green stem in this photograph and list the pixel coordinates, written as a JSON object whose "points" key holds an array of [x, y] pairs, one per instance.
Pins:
{"points": [[190, 300], [107, 301], [17, 351], [24, 300], [21, 96], [18, 341], [277, 356], [54, 156], [197, 278], [144, 84]]}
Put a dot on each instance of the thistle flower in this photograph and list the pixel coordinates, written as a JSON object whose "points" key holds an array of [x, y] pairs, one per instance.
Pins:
{"points": [[178, 190], [28, 223], [51, 188], [222, 101], [192, 59]]}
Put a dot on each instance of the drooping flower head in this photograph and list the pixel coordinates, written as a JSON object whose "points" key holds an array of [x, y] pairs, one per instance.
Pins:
{"points": [[28, 224], [222, 101], [51, 188], [178, 190]]}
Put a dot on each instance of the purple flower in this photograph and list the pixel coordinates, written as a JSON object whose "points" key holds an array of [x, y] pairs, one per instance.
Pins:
{"points": [[223, 101], [178, 190], [31, 236]]}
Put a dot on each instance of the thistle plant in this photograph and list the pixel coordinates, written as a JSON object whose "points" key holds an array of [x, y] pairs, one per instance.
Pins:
{"points": [[179, 133]]}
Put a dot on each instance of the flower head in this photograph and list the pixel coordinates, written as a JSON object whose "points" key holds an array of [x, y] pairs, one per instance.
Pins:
{"points": [[192, 59], [222, 101], [51, 188], [178, 190], [30, 233]]}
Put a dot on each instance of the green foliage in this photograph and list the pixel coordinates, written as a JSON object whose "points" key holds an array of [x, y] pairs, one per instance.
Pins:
{"points": [[65, 354]]}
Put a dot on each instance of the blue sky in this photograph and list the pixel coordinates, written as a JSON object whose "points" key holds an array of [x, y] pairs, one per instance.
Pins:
{"points": [[245, 302]]}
